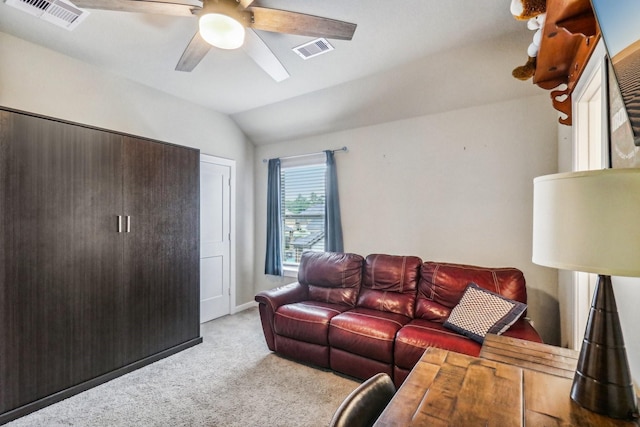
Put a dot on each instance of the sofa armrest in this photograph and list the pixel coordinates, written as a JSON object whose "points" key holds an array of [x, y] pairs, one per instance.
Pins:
{"points": [[270, 300], [287, 294]]}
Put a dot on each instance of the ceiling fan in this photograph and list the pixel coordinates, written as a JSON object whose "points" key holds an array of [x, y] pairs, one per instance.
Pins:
{"points": [[229, 24]]}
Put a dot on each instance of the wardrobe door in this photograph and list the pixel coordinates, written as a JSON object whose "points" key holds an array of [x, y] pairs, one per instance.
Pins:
{"points": [[60, 256], [161, 196]]}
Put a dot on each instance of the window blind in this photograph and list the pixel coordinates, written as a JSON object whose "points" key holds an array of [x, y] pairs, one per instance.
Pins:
{"points": [[303, 210]]}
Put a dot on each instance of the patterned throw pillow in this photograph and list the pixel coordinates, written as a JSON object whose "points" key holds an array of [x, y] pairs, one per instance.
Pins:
{"points": [[480, 312]]}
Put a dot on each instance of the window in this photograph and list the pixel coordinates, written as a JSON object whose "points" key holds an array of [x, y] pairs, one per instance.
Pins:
{"points": [[302, 193], [303, 210]]}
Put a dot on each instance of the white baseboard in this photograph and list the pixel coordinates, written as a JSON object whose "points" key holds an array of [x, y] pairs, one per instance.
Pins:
{"points": [[243, 307]]}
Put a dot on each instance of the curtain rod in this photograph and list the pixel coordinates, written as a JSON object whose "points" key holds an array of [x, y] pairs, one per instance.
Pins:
{"points": [[309, 154]]}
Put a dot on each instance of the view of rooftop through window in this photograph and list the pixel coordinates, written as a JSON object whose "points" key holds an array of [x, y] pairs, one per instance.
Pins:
{"points": [[303, 202]]}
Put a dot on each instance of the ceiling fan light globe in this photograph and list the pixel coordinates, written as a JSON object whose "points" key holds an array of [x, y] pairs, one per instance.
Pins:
{"points": [[221, 31]]}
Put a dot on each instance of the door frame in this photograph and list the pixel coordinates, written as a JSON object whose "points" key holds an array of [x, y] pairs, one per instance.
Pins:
{"points": [[232, 229], [590, 140]]}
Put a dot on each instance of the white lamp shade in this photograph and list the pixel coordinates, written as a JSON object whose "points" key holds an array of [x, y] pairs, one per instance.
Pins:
{"points": [[221, 31], [588, 221]]}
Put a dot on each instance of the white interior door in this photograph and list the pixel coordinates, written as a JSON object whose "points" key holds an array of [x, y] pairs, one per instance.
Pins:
{"points": [[215, 238]]}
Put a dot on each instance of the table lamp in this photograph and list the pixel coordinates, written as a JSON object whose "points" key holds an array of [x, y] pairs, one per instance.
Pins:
{"points": [[590, 221]]}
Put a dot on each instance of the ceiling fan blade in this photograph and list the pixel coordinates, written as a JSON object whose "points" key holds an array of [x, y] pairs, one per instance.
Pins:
{"points": [[193, 54], [282, 21], [257, 49], [161, 7], [245, 3]]}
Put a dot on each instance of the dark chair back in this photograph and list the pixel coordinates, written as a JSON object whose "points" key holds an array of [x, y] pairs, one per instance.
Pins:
{"points": [[364, 405]]}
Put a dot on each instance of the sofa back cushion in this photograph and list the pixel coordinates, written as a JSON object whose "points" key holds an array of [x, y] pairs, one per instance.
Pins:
{"points": [[390, 283], [442, 285], [331, 276]]}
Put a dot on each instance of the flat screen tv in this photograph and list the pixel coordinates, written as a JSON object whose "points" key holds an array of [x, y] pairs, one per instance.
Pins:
{"points": [[619, 22]]}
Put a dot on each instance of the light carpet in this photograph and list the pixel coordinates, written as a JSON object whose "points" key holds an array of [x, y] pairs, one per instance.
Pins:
{"points": [[231, 379]]}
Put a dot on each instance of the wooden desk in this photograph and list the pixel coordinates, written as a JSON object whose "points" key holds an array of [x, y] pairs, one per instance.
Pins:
{"points": [[531, 355], [514, 383]]}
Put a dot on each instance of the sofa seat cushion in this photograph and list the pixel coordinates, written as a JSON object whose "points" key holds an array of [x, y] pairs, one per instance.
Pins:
{"points": [[306, 321], [366, 332], [417, 335]]}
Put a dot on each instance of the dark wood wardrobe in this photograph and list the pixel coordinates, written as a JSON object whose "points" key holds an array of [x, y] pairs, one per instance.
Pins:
{"points": [[99, 257]]}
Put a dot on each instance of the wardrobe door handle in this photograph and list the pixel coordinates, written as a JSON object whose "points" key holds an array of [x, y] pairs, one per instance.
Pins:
{"points": [[128, 224], [119, 223]]}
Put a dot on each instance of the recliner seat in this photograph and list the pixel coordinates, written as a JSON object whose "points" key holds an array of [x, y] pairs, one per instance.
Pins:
{"points": [[362, 339]]}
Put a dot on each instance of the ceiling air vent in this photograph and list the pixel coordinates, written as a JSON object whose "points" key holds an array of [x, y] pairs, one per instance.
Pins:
{"points": [[313, 48], [59, 12]]}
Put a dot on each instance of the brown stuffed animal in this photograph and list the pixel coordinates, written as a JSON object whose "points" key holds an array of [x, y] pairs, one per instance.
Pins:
{"points": [[523, 10], [526, 71], [533, 11]]}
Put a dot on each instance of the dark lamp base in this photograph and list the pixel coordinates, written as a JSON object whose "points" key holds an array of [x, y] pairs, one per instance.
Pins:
{"points": [[602, 382]]}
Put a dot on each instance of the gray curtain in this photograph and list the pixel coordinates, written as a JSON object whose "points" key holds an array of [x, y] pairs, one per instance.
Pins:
{"points": [[273, 259], [332, 221]]}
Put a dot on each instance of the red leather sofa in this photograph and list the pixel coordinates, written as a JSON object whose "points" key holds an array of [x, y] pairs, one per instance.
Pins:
{"points": [[362, 316]]}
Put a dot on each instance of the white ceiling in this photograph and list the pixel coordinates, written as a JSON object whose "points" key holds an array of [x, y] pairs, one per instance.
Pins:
{"points": [[406, 59]]}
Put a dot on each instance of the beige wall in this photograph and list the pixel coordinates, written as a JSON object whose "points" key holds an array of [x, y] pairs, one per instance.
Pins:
{"points": [[455, 187], [41, 81]]}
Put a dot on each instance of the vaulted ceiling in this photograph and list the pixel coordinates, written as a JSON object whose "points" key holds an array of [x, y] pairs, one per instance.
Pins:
{"points": [[406, 59]]}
